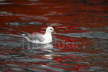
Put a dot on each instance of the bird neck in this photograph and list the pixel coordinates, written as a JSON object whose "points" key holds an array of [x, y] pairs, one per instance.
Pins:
{"points": [[47, 33], [48, 36]]}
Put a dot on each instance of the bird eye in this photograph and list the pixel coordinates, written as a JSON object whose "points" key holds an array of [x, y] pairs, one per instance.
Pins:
{"points": [[50, 29]]}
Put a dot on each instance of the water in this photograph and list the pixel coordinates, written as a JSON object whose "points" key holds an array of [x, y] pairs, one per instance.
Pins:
{"points": [[79, 45]]}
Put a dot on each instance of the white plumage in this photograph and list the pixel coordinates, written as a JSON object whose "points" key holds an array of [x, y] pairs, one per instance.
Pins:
{"points": [[41, 38]]}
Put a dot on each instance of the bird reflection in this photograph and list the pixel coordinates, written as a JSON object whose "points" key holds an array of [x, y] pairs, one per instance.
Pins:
{"points": [[45, 50]]}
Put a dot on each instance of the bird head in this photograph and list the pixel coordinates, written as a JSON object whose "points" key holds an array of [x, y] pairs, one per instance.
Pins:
{"points": [[50, 29]]}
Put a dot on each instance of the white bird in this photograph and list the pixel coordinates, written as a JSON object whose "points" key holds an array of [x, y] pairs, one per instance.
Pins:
{"points": [[41, 38]]}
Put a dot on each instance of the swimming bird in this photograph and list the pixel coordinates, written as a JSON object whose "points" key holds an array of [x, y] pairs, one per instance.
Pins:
{"points": [[40, 38]]}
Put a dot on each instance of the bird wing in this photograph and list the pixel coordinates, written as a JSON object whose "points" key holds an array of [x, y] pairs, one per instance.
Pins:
{"points": [[26, 34], [37, 36]]}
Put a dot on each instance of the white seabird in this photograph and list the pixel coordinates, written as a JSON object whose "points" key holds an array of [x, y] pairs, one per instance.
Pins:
{"points": [[41, 38]]}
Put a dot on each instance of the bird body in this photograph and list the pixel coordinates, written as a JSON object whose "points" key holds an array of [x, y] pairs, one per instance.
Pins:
{"points": [[41, 38]]}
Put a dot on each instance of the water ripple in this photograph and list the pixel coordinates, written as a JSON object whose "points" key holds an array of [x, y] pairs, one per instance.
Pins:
{"points": [[101, 35]]}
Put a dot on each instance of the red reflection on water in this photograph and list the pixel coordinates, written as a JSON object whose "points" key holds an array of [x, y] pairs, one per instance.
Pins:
{"points": [[70, 63], [70, 16]]}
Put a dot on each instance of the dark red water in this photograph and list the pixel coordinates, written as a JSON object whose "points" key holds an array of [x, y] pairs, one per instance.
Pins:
{"points": [[80, 43]]}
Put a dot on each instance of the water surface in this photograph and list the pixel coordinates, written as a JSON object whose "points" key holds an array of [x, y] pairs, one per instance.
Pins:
{"points": [[79, 45]]}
